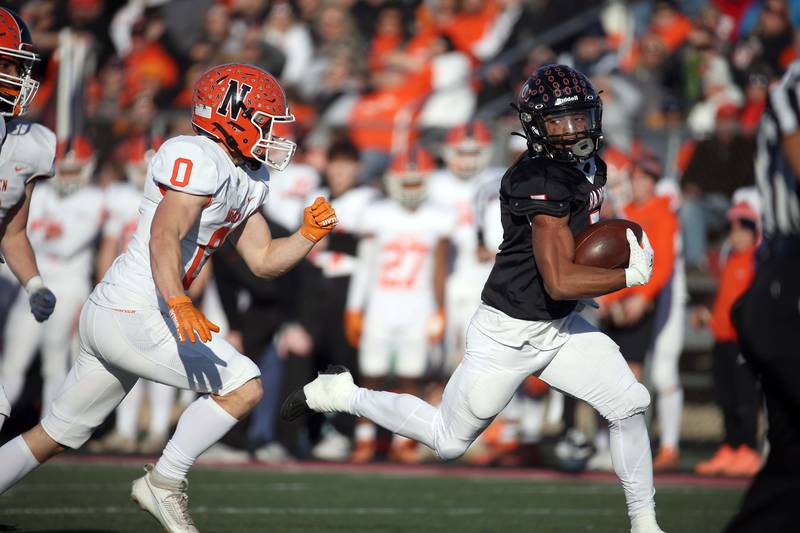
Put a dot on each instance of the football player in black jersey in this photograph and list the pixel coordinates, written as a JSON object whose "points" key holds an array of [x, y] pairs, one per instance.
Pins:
{"points": [[526, 323]]}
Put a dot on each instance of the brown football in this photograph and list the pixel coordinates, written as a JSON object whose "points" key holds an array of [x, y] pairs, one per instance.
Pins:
{"points": [[605, 245]]}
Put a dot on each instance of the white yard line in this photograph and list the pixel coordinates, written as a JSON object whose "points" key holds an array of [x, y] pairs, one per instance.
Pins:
{"points": [[538, 511], [126, 485]]}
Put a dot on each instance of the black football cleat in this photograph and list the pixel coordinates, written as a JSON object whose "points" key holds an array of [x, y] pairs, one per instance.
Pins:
{"points": [[330, 392]]}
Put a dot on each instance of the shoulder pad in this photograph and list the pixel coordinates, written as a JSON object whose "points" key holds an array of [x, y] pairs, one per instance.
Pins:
{"points": [[35, 146], [537, 186], [185, 164]]}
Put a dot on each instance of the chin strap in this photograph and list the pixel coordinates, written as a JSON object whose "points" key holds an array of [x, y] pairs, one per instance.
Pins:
{"points": [[253, 164]]}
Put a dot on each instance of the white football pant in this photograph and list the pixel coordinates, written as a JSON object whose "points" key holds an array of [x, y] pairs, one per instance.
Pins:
{"points": [[53, 339], [117, 347], [463, 296], [569, 354], [161, 400], [5, 407]]}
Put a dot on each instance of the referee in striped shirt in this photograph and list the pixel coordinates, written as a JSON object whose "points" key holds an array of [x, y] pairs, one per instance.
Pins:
{"points": [[767, 317]]}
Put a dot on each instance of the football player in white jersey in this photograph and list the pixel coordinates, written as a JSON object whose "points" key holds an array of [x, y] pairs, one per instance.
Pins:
{"points": [[398, 287], [64, 220], [27, 154], [122, 203], [139, 322], [467, 153]]}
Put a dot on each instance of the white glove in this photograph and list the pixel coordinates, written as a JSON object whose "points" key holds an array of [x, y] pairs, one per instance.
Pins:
{"points": [[41, 299], [640, 264]]}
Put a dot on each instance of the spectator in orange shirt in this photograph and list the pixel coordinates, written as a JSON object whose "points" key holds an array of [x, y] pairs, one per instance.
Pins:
{"points": [[375, 126], [628, 314], [389, 36], [735, 383]]}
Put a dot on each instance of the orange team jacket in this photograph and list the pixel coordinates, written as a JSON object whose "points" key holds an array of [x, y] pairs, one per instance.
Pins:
{"points": [[735, 279], [661, 225]]}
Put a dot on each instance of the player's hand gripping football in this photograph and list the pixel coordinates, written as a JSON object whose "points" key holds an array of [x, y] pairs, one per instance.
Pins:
{"points": [[41, 299], [640, 264], [318, 220], [188, 319]]}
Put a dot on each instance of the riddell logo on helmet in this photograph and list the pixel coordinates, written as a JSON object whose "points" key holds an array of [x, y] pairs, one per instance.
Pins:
{"points": [[560, 101]]}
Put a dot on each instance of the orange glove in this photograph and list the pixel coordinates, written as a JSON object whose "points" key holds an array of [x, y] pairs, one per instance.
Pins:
{"points": [[353, 324], [436, 326], [188, 319], [318, 220]]}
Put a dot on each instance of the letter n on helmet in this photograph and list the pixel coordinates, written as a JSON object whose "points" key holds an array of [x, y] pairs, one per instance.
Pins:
{"points": [[239, 105]]}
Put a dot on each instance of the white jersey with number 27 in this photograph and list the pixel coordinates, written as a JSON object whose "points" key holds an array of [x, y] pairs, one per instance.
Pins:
{"points": [[193, 165], [401, 291]]}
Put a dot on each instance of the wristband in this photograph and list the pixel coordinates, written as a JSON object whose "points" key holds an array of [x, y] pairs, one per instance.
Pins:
{"points": [[34, 284]]}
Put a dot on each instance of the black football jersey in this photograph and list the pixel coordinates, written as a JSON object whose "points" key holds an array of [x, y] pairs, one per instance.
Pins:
{"points": [[539, 185]]}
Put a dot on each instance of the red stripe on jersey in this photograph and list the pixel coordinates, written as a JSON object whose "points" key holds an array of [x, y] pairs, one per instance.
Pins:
{"points": [[189, 277]]}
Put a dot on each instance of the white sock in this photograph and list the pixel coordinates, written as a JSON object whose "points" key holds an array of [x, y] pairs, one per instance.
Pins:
{"points": [[16, 462], [531, 420], [128, 412], [365, 431], [403, 414], [162, 398], [633, 463], [2, 420], [202, 424], [670, 406]]}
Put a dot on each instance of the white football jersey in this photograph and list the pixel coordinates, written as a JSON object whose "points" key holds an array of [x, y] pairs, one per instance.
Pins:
{"points": [[401, 288], [194, 165], [63, 230], [122, 203], [289, 192], [487, 212], [28, 152], [445, 188], [349, 208]]}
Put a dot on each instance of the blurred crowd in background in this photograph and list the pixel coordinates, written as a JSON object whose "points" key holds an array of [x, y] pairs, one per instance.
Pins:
{"points": [[683, 85]]}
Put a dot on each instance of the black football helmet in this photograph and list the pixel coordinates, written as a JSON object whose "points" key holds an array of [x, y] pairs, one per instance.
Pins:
{"points": [[561, 114]]}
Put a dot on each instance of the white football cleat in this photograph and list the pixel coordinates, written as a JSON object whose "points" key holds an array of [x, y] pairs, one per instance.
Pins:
{"points": [[331, 392], [170, 506], [645, 523]]}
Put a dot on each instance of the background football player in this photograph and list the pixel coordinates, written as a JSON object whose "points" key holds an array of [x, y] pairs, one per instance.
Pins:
{"points": [[467, 153], [65, 217], [27, 154], [526, 323], [139, 322], [398, 289]]}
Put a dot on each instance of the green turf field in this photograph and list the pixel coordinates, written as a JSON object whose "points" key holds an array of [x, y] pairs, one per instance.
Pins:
{"points": [[84, 497]]}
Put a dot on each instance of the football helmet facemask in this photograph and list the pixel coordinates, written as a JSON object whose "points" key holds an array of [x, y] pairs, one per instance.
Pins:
{"points": [[17, 89], [468, 149], [75, 164], [561, 114], [239, 106], [407, 178]]}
